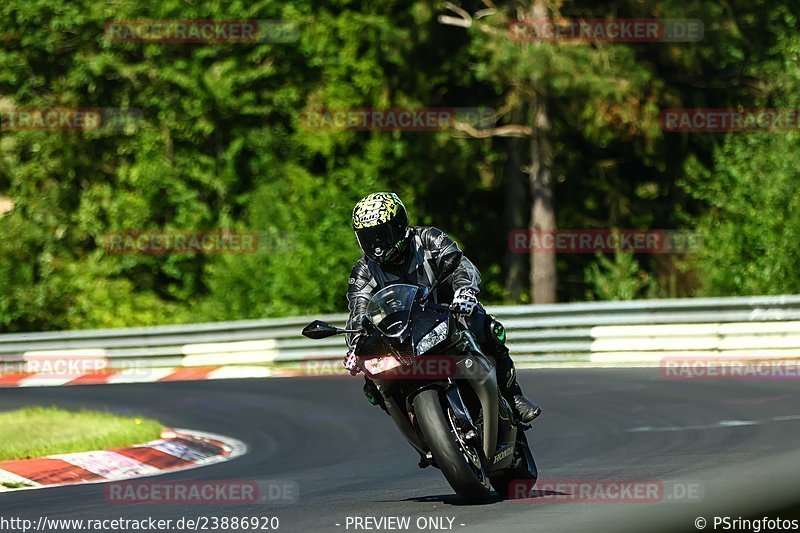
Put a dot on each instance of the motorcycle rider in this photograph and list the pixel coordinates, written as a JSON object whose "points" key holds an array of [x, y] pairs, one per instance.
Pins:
{"points": [[395, 252]]}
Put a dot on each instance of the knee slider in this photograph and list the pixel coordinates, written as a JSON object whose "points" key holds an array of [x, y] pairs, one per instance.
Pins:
{"points": [[496, 331]]}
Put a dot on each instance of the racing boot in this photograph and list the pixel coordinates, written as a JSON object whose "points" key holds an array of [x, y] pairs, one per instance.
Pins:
{"points": [[525, 409]]}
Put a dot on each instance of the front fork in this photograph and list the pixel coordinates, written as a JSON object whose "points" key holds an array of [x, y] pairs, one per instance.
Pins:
{"points": [[499, 427]]}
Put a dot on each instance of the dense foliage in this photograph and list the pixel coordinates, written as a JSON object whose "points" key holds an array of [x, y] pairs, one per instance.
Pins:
{"points": [[219, 140]]}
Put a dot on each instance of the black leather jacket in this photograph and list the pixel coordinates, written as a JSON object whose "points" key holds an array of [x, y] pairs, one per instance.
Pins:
{"points": [[428, 245]]}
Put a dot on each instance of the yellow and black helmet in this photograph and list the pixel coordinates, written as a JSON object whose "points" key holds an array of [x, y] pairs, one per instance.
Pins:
{"points": [[380, 221]]}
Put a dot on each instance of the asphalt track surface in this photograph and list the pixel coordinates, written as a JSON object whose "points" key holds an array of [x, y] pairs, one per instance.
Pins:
{"points": [[738, 440]]}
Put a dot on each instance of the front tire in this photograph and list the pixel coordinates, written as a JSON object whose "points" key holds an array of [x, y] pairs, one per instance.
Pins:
{"points": [[468, 479]]}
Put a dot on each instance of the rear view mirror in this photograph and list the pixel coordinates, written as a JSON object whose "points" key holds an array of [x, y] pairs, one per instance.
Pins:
{"points": [[320, 330]]}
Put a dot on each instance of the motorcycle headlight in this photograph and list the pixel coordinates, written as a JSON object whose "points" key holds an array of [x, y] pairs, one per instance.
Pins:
{"points": [[434, 337]]}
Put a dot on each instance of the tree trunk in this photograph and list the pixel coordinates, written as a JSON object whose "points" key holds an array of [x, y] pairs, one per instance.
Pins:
{"points": [[543, 216], [516, 212]]}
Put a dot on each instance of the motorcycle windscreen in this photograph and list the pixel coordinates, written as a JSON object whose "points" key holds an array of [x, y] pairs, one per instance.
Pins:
{"points": [[390, 308]]}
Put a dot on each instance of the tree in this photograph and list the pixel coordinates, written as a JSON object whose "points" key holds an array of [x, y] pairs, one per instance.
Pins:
{"points": [[556, 87], [752, 222]]}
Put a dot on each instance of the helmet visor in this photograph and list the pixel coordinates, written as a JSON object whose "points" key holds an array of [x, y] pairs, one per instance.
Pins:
{"points": [[381, 243]]}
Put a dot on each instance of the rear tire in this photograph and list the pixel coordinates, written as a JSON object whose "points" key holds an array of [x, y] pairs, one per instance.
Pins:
{"points": [[447, 450], [518, 481]]}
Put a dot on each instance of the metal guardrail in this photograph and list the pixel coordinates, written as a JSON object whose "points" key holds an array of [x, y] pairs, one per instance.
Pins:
{"points": [[613, 331]]}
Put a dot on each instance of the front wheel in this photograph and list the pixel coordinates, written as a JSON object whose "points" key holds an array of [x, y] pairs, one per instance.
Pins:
{"points": [[460, 462]]}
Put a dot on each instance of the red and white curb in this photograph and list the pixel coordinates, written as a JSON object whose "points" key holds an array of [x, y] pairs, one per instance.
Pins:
{"points": [[142, 375], [177, 450], [314, 368], [310, 368]]}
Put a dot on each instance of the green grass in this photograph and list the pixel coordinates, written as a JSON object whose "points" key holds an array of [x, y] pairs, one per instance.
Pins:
{"points": [[38, 431], [15, 484]]}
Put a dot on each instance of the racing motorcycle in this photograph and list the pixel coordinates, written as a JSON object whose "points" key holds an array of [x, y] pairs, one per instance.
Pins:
{"points": [[454, 416]]}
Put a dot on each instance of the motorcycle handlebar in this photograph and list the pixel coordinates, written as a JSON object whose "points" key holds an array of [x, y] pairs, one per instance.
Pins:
{"points": [[443, 307]]}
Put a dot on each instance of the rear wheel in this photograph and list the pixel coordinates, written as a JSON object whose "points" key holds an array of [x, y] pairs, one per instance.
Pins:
{"points": [[518, 481], [461, 462]]}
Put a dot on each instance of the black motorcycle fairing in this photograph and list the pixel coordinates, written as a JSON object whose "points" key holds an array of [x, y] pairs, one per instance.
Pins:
{"points": [[372, 344], [424, 317]]}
